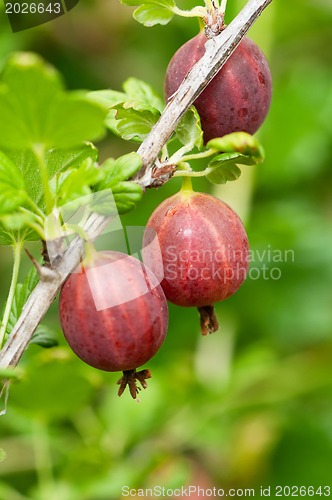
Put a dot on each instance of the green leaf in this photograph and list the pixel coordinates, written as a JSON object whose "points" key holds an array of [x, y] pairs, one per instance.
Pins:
{"points": [[17, 221], [111, 122], [240, 142], [75, 119], [8, 237], [107, 98], [140, 93], [122, 198], [22, 293], [57, 160], [12, 189], [226, 173], [135, 125], [238, 147], [231, 158], [116, 174], [45, 336], [121, 169], [189, 131], [75, 183], [127, 195], [132, 113], [225, 167], [34, 108], [152, 12], [17, 225]]}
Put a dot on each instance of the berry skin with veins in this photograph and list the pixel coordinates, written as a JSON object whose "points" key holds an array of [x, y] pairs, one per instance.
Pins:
{"points": [[114, 315], [237, 98], [198, 246]]}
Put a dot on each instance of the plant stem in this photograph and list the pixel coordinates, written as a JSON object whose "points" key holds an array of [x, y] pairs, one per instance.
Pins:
{"points": [[186, 184], [164, 153], [177, 157], [36, 217], [38, 229], [210, 6], [17, 249], [222, 8], [39, 152], [195, 12], [36, 208], [198, 156], [192, 173]]}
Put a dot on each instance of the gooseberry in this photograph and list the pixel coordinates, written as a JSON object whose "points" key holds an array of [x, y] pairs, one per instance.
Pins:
{"points": [[237, 98], [114, 315], [198, 247]]}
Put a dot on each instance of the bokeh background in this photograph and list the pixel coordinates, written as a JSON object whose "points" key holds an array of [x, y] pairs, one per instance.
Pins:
{"points": [[250, 405]]}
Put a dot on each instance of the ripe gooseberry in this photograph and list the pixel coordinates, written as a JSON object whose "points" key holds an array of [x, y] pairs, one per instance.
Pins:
{"points": [[237, 98], [114, 315], [198, 246]]}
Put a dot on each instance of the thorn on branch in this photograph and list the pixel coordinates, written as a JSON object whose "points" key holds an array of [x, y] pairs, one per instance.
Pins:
{"points": [[46, 274]]}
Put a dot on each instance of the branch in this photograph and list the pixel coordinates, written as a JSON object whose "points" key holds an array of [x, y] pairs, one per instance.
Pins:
{"points": [[217, 52]]}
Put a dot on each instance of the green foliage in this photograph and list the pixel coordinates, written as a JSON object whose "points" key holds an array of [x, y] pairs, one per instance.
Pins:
{"points": [[189, 131], [135, 125], [56, 160], [140, 94], [132, 113], [12, 189], [46, 161], [16, 227], [224, 169], [22, 293], [75, 183], [238, 147], [115, 174], [240, 142], [36, 110], [152, 12], [45, 336]]}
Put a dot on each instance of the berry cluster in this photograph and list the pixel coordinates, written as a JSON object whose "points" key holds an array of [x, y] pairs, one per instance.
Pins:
{"points": [[113, 309]]}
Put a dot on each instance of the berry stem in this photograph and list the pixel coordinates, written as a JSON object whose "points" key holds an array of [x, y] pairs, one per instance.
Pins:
{"points": [[222, 8], [192, 173], [195, 12], [210, 5], [186, 184], [197, 156]]}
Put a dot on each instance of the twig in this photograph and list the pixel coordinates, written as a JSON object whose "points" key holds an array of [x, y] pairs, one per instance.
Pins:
{"points": [[217, 52]]}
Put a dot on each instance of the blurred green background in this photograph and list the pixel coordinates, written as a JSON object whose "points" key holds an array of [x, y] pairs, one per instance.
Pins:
{"points": [[250, 405]]}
